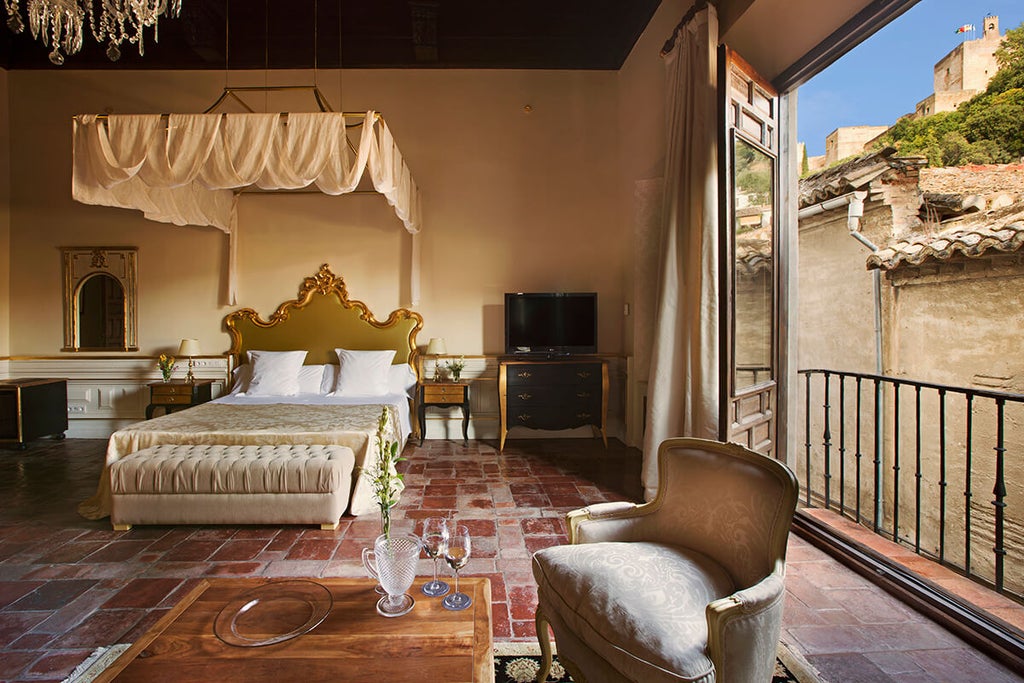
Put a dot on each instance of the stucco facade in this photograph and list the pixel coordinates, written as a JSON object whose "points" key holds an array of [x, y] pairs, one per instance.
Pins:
{"points": [[951, 307]]}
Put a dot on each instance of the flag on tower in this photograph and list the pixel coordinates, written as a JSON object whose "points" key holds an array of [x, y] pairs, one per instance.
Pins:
{"points": [[965, 28]]}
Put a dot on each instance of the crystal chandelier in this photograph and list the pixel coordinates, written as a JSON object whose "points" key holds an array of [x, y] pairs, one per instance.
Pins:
{"points": [[58, 24]]}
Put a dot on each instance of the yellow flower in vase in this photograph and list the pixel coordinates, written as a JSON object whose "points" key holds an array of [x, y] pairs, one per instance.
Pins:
{"points": [[166, 365]]}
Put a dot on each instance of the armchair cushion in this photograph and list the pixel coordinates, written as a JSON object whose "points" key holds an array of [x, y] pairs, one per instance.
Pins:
{"points": [[640, 606]]}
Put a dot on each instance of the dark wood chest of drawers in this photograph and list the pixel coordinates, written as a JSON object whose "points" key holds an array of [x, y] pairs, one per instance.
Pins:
{"points": [[553, 394], [32, 407]]}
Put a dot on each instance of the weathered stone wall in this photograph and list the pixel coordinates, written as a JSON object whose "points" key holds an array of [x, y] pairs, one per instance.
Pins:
{"points": [[837, 319], [969, 65], [848, 141], [956, 323], [943, 101], [949, 71], [959, 323], [990, 181]]}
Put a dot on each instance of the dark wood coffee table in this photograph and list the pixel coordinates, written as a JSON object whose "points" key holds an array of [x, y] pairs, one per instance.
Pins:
{"points": [[353, 643]]}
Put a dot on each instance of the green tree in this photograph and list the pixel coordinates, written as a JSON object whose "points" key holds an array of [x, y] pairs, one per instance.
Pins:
{"points": [[1010, 57], [996, 118]]}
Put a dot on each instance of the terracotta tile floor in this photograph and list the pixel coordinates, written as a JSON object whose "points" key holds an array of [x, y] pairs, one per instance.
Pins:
{"points": [[68, 585]]}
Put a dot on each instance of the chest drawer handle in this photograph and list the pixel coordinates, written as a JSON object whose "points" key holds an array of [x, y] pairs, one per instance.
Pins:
{"points": [[583, 416], [525, 397], [583, 374], [583, 394], [524, 374], [523, 418]]}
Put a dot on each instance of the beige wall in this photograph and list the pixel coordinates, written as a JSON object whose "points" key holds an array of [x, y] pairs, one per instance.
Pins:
{"points": [[512, 201]]}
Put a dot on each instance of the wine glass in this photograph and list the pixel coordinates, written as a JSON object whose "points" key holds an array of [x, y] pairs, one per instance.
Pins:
{"points": [[457, 555], [435, 543]]}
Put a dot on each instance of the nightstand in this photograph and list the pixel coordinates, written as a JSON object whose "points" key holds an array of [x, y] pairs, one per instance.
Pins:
{"points": [[177, 394], [443, 395]]}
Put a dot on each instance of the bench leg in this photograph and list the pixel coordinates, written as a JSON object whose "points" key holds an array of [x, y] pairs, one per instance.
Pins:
{"points": [[122, 527], [329, 527]]}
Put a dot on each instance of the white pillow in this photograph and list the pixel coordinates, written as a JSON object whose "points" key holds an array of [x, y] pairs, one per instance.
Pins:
{"points": [[275, 373], [330, 379], [401, 379], [240, 382], [363, 373], [310, 379]]}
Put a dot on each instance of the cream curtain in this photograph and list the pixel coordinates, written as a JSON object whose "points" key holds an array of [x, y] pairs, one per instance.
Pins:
{"points": [[187, 169], [683, 391]]}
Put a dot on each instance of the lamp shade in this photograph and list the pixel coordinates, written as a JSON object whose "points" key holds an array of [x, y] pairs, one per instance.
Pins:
{"points": [[436, 347], [189, 347]]}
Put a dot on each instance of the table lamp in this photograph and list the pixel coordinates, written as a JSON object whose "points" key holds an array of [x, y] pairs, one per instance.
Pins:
{"points": [[189, 348], [436, 348]]}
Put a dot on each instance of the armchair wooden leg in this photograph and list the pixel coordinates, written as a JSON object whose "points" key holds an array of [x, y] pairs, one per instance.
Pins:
{"points": [[545, 646]]}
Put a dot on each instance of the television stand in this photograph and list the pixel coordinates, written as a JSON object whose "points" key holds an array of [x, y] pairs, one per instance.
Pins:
{"points": [[546, 393]]}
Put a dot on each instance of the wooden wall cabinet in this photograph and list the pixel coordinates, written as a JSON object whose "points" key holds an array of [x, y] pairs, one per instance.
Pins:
{"points": [[553, 394]]}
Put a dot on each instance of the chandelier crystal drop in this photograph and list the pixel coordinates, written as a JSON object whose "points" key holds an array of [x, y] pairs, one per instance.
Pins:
{"points": [[59, 24]]}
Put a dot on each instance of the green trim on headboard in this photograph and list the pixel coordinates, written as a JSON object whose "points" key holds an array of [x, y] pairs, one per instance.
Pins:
{"points": [[322, 318]]}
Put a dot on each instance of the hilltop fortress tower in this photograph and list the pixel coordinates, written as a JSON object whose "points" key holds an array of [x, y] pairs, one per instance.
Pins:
{"points": [[959, 76], [964, 72]]}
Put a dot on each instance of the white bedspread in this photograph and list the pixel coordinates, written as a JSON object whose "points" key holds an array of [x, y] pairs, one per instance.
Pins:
{"points": [[245, 420]]}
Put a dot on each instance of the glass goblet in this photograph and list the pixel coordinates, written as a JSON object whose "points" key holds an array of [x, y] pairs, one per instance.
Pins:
{"points": [[394, 563], [435, 543], [457, 555]]}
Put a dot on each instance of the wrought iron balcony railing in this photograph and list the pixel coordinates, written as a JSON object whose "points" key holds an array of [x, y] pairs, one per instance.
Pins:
{"points": [[915, 461]]}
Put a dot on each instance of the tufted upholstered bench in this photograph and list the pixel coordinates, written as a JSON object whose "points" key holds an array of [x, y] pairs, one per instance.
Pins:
{"points": [[217, 484]]}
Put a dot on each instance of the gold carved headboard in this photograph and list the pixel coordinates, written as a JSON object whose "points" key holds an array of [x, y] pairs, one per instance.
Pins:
{"points": [[322, 318]]}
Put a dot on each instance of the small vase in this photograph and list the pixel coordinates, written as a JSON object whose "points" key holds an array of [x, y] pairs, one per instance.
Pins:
{"points": [[166, 377]]}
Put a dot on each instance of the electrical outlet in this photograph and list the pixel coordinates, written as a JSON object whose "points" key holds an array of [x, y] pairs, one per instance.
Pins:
{"points": [[76, 408]]}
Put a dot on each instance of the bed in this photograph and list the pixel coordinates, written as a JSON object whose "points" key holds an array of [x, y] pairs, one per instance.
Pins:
{"points": [[340, 391]]}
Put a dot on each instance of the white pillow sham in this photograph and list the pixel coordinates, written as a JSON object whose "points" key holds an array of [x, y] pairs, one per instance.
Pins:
{"points": [[401, 379], [275, 373], [311, 379], [363, 373]]}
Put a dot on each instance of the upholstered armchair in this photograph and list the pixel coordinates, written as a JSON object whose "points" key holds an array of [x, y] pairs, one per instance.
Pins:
{"points": [[687, 587]]}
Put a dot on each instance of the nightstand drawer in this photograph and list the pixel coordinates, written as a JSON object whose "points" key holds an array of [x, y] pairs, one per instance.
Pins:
{"points": [[444, 394], [171, 390], [171, 399]]}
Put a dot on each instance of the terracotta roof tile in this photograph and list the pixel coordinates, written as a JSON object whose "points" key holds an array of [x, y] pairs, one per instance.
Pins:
{"points": [[971, 237], [852, 175]]}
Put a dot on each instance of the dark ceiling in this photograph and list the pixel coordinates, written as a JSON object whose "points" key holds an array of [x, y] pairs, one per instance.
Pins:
{"points": [[302, 34]]}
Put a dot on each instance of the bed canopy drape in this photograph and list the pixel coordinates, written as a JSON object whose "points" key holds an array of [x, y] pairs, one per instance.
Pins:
{"points": [[189, 169]]}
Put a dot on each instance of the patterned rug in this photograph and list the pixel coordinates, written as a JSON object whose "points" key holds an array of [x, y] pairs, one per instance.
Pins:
{"points": [[513, 663], [519, 662]]}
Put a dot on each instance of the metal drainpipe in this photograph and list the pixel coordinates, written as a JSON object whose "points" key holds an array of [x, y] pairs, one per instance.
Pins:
{"points": [[853, 215]]}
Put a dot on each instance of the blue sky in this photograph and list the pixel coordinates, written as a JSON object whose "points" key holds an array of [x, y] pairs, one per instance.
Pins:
{"points": [[889, 73]]}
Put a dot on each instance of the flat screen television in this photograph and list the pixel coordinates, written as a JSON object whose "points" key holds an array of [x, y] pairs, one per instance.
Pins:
{"points": [[550, 323]]}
